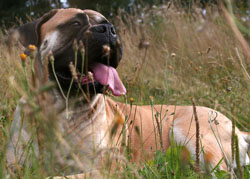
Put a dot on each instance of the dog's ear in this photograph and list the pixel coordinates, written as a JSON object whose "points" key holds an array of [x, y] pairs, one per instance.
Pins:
{"points": [[42, 20], [29, 33]]}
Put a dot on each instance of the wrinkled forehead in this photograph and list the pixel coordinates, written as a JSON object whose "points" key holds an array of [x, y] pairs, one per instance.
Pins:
{"points": [[64, 15], [94, 16]]}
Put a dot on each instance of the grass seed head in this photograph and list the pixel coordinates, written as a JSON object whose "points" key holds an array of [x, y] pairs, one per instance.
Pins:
{"points": [[173, 55], [81, 46], [151, 98], [144, 44], [75, 45], [106, 50], [51, 56], [88, 33], [90, 76], [73, 71], [208, 50], [118, 42]]}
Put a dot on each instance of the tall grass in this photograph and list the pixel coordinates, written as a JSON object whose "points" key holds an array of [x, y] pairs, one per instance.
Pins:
{"points": [[169, 54], [188, 56]]}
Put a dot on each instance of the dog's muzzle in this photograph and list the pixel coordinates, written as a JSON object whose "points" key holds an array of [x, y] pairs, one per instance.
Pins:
{"points": [[98, 36]]}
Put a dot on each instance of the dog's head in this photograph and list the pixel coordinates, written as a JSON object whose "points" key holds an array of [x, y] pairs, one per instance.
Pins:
{"points": [[57, 31]]}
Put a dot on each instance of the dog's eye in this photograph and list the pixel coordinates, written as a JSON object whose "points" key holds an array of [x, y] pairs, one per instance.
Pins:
{"points": [[76, 24]]}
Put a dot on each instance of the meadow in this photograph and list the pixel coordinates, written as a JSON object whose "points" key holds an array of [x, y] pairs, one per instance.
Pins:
{"points": [[170, 56]]}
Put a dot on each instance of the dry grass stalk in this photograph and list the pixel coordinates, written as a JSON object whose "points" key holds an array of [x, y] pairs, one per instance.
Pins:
{"points": [[142, 45], [197, 146], [237, 151], [45, 77], [242, 65], [238, 34], [233, 143], [159, 127]]}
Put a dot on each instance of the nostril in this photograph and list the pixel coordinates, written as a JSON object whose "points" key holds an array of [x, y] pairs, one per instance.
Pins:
{"points": [[112, 30], [101, 29]]}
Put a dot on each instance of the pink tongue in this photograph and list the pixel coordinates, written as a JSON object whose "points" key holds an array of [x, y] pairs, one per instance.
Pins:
{"points": [[107, 75]]}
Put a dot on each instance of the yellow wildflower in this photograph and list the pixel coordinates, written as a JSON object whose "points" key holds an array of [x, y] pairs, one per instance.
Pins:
{"points": [[131, 99], [23, 56], [224, 81], [185, 155], [170, 67], [208, 157], [32, 47], [120, 119]]}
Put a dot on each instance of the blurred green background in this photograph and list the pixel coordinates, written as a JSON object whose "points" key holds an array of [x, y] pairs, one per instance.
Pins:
{"points": [[12, 11]]}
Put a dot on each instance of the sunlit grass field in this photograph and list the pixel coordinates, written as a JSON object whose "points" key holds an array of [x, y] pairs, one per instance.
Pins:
{"points": [[170, 56]]}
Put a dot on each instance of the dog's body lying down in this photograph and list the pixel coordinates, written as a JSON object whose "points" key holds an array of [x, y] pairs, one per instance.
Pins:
{"points": [[89, 128]]}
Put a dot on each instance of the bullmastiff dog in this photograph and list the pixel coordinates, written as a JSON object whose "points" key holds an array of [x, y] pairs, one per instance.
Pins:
{"points": [[93, 122]]}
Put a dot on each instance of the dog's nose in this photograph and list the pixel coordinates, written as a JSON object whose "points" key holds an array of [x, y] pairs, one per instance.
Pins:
{"points": [[104, 28], [112, 31]]}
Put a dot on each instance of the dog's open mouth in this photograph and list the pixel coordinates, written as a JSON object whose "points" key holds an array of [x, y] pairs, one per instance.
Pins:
{"points": [[107, 75], [99, 74]]}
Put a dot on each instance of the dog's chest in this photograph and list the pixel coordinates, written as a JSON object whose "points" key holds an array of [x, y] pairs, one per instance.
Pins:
{"points": [[85, 130]]}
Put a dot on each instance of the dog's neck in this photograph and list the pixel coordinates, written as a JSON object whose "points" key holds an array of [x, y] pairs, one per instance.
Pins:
{"points": [[90, 110], [81, 115], [79, 101], [76, 101]]}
